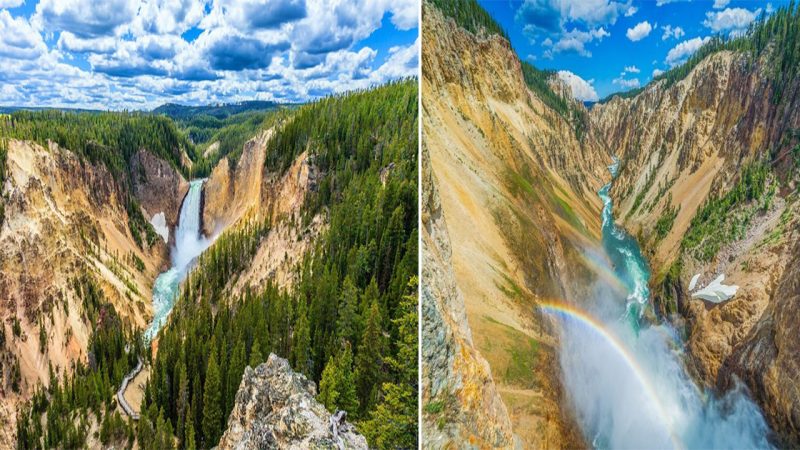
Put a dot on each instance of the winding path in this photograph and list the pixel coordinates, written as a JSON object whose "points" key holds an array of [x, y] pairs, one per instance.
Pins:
{"points": [[121, 391]]}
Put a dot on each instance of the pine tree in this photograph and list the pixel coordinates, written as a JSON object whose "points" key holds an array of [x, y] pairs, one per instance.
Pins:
{"points": [[407, 344], [183, 402], [189, 443], [163, 438], [348, 324], [255, 355], [390, 245], [328, 393], [235, 370], [371, 295], [369, 359], [393, 422], [212, 403], [196, 408], [348, 400], [42, 338], [301, 342]]}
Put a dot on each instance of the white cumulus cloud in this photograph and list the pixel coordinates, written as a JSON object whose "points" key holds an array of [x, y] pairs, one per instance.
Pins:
{"points": [[574, 41], [639, 32], [670, 32], [18, 39], [581, 89], [657, 72], [719, 4], [734, 20], [568, 25], [685, 49], [627, 83], [84, 18], [10, 3], [140, 56]]}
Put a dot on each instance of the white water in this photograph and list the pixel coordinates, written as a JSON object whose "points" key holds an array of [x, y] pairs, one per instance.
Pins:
{"points": [[189, 244], [626, 379]]}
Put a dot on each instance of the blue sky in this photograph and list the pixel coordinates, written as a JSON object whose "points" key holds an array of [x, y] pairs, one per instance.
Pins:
{"points": [[605, 46], [138, 54]]}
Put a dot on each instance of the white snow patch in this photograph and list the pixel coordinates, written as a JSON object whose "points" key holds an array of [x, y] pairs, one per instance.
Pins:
{"points": [[693, 283], [159, 222], [717, 292]]}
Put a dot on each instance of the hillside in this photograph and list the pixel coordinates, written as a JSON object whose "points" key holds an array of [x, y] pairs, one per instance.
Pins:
{"points": [[75, 240], [708, 182], [509, 204], [356, 267]]}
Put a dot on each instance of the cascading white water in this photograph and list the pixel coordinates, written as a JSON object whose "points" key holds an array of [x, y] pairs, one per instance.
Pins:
{"points": [[626, 379], [189, 244]]}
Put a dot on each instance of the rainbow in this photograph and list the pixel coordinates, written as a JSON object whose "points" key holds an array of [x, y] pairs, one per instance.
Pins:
{"points": [[598, 328]]}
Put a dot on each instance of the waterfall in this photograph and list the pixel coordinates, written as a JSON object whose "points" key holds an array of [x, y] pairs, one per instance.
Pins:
{"points": [[626, 378], [189, 244], [189, 240]]}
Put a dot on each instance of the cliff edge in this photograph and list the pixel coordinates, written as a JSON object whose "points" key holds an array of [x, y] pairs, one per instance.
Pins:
{"points": [[275, 408]]}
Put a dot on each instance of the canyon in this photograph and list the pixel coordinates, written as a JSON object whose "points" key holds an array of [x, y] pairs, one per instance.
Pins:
{"points": [[498, 193], [72, 215], [499, 162]]}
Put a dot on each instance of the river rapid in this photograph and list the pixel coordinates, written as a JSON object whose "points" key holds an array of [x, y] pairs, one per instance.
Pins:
{"points": [[625, 377]]}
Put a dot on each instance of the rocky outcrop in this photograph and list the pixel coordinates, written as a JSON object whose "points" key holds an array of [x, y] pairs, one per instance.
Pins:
{"points": [[769, 360], [514, 183], [683, 145], [157, 186], [456, 379], [275, 408]]}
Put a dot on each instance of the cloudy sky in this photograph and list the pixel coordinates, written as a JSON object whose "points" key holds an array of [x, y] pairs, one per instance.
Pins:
{"points": [[138, 54], [605, 46]]}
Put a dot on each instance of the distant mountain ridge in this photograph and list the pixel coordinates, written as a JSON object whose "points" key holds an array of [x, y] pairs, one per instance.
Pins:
{"points": [[220, 111], [175, 110], [11, 109]]}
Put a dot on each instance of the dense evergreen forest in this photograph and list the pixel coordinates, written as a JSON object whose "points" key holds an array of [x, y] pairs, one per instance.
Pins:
{"points": [[226, 127], [470, 15], [110, 139], [350, 322]]}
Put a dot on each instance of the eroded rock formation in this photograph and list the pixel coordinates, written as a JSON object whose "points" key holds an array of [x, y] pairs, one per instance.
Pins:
{"points": [[275, 408], [683, 146], [513, 182], [157, 186]]}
